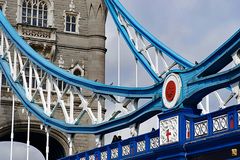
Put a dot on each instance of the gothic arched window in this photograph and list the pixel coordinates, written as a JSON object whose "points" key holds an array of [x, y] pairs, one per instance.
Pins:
{"points": [[35, 12], [71, 18], [71, 23], [78, 70]]}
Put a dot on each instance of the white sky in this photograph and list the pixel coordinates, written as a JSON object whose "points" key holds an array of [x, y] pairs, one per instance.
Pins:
{"points": [[19, 152]]}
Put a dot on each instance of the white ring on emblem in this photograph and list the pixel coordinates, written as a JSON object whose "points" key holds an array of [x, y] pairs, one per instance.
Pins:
{"points": [[177, 81]]}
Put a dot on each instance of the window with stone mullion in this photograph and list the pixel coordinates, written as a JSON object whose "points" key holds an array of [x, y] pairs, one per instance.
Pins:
{"points": [[40, 15], [35, 13], [45, 14], [29, 13], [24, 12], [71, 23], [68, 23]]}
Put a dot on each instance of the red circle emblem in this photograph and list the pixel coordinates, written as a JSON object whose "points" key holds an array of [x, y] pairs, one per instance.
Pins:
{"points": [[170, 91]]}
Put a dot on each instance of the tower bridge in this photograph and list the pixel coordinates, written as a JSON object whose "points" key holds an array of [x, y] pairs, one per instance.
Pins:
{"points": [[67, 101], [181, 135]]}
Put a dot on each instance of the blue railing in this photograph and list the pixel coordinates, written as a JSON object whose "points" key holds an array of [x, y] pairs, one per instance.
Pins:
{"points": [[124, 149], [192, 128], [218, 122]]}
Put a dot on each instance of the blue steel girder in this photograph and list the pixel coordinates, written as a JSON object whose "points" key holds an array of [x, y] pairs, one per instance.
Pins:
{"points": [[50, 68], [142, 114], [152, 108], [197, 88], [116, 9], [206, 78], [197, 81], [220, 58]]}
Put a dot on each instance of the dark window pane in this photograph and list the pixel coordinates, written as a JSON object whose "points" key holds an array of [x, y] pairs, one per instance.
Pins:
{"points": [[23, 19], [68, 18], [45, 7], [45, 23], [29, 12], [68, 27], [34, 13], [73, 19], [35, 7], [40, 14], [24, 12], [28, 20], [34, 21], [1, 8], [24, 4], [40, 6], [77, 72], [40, 22], [45, 14], [73, 28]]}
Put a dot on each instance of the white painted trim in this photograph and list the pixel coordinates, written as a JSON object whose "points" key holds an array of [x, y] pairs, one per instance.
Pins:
{"points": [[177, 80]]}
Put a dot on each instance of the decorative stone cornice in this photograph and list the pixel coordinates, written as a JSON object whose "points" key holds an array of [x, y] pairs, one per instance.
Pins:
{"points": [[37, 32]]}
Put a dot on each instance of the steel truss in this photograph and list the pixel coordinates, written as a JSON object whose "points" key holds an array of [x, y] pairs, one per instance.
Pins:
{"points": [[22, 66]]}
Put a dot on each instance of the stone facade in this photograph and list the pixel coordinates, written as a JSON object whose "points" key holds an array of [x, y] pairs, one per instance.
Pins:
{"points": [[85, 48]]}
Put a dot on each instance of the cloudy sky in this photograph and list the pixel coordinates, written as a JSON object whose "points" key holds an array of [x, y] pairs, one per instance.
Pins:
{"points": [[192, 28]]}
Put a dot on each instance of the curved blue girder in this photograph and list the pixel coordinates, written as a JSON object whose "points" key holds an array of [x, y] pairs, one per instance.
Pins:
{"points": [[205, 78], [142, 114], [116, 8], [221, 57], [138, 116], [194, 87], [200, 87], [69, 78]]}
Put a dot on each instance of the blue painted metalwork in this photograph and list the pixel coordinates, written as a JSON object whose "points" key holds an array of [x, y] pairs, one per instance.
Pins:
{"points": [[162, 47], [200, 136], [193, 146], [116, 8], [68, 77], [220, 57], [152, 108], [198, 81]]}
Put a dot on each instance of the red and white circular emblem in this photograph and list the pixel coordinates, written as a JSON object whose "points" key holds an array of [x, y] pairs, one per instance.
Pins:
{"points": [[171, 90]]}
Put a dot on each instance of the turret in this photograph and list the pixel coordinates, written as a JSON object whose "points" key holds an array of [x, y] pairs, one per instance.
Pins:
{"points": [[97, 13]]}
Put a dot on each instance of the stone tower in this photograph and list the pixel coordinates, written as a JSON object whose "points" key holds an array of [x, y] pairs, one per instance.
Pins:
{"points": [[71, 34]]}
